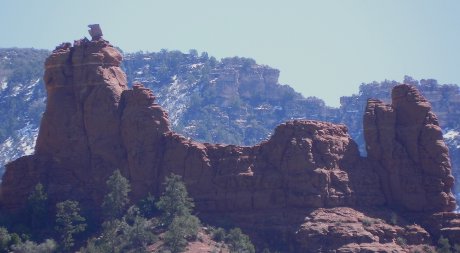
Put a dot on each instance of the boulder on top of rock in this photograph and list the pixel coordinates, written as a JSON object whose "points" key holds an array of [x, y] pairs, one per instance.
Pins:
{"points": [[95, 31]]}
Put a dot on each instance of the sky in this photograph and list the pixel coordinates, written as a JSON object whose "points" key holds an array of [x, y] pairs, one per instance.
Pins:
{"points": [[323, 48]]}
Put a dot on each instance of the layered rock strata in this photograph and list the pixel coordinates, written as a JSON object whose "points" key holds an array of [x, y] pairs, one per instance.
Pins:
{"points": [[305, 183]]}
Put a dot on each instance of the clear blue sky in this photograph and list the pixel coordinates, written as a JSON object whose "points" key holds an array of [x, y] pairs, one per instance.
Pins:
{"points": [[323, 48]]}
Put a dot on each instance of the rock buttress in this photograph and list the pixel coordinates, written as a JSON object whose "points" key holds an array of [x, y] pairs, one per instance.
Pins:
{"points": [[404, 142], [79, 140]]}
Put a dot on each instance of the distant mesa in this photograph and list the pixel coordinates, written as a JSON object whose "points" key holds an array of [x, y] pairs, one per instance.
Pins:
{"points": [[95, 31]]}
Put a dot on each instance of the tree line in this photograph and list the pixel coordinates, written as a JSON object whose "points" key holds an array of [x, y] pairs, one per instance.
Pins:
{"points": [[125, 227]]}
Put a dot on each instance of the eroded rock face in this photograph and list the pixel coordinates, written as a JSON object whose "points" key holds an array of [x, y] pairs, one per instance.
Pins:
{"points": [[79, 140], [348, 230], [405, 143], [93, 125]]}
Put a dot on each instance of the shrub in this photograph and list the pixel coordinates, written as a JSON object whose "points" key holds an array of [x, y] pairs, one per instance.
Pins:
{"points": [[457, 248], [393, 218], [239, 242], [401, 241], [427, 249], [366, 222], [147, 206], [5, 239], [48, 246], [133, 233], [181, 228], [218, 234], [136, 230], [443, 245]]}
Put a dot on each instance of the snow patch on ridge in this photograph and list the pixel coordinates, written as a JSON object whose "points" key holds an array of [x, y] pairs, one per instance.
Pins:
{"points": [[21, 143], [176, 98], [3, 85], [452, 137]]}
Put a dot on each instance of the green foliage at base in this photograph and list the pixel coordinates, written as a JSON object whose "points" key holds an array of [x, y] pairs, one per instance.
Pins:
{"points": [[131, 230], [7, 240], [443, 245], [218, 234], [132, 233], [116, 200], [37, 207], [181, 229], [68, 222], [174, 201], [49, 246], [147, 206], [239, 242]]}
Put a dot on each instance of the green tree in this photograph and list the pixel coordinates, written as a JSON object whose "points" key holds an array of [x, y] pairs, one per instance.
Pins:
{"points": [[137, 230], [239, 242], [218, 234], [177, 206], [147, 206], [133, 233], [37, 207], [48, 246], [7, 240], [181, 228], [68, 222], [457, 248], [109, 241], [174, 201], [443, 245], [115, 201]]}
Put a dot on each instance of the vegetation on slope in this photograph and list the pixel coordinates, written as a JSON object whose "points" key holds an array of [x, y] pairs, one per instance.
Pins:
{"points": [[166, 225]]}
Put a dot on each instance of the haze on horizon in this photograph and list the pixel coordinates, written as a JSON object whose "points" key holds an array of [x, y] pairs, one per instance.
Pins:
{"points": [[322, 48]]}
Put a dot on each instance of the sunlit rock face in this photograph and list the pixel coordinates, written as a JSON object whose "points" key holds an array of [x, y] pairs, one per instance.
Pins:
{"points": [[307, 174]]}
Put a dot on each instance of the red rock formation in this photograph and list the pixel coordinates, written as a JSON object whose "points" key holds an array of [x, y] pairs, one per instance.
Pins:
{"points": [[93, 125], [405, 143], [347, 230], [79, 141]]}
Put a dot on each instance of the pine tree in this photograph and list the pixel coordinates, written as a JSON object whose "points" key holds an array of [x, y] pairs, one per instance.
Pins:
{"points": [[239, 242], [68, 222], [181, 228], [116, 200], [37, 207], [174, 200], [443, 245]]}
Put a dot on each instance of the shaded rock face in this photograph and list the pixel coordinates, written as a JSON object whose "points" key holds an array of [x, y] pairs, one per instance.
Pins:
{"points": [[93, 125], [405, 142]]}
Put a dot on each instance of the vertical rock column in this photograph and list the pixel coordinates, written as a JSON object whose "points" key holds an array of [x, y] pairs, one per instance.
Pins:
{"points": [[80, 129], [405, 144]]}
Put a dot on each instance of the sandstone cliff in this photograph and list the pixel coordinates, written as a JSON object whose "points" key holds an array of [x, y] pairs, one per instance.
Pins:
{"points": [[307, 183], [405, 141]]}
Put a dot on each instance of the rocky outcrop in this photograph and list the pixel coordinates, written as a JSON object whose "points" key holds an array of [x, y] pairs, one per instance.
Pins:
{"points": [[93, 125], [405, 142], [348, 230], [79, 142]]}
